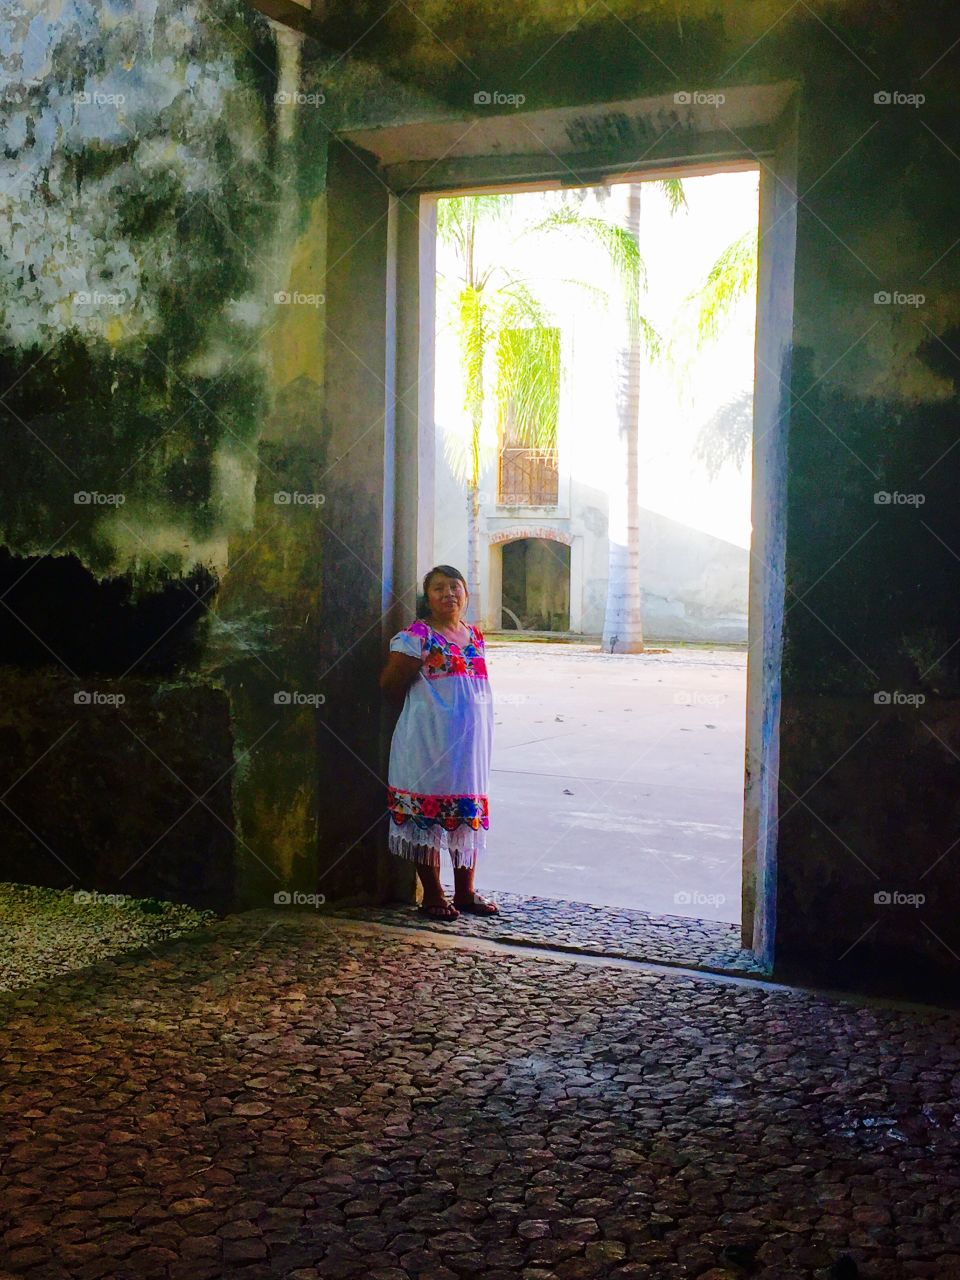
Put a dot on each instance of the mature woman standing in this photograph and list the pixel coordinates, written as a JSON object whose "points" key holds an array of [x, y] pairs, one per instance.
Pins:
{"points": [[440, 752]]}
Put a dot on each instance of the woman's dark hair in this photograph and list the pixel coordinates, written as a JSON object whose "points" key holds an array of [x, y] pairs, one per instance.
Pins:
{"points": [[423, 603]]}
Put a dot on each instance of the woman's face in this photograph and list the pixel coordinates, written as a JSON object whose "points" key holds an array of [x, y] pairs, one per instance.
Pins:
{"points": [[446, 596]]}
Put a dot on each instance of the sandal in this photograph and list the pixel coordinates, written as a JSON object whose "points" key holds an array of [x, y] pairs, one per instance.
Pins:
{"points": [[439, 910], [477, 906]]}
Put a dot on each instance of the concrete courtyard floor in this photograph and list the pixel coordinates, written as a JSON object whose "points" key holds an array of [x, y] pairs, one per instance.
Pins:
{"points": [[283, 1094], [618, 778]]}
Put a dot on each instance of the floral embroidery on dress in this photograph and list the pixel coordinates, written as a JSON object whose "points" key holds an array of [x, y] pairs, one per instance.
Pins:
{"points": [[443, 657], [444, 811]]}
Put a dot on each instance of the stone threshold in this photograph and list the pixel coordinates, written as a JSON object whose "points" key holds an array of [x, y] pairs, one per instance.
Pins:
{"points": [[581, 928]]}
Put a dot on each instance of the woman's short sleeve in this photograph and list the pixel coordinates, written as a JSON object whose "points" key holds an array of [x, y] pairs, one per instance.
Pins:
{"points": [[407, 642]]}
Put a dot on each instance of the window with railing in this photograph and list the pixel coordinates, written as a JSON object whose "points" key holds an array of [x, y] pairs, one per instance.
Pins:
{"points": [[527, 475]]}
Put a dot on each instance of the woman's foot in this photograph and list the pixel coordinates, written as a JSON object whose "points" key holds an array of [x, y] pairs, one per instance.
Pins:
{"points": [[475, 905], [442, 910]]}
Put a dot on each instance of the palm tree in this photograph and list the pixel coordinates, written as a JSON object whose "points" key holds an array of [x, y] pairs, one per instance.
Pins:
{"points": [[498, 312], [500, 317], [623, 621]]}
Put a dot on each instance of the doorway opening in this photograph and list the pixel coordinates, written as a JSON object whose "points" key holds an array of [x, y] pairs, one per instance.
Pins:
{"points": [[535, 586], [618, 768], [639, 140]]}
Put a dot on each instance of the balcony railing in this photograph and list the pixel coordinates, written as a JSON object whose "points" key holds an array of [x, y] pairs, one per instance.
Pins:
{"points": [[528, 478]]}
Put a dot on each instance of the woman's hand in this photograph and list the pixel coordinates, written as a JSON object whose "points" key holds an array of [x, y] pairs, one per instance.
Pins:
{"points": [[398, 675]]}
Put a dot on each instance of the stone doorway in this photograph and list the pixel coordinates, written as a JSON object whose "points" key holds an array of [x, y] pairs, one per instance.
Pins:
{"points": [[628, 141], [535, 585]]}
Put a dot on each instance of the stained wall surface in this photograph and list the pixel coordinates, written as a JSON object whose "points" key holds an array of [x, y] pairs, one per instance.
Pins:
{"points": [[163, 342]]}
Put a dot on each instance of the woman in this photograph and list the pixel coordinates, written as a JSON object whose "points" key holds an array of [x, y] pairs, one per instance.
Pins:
{"points": [[440, 752]]}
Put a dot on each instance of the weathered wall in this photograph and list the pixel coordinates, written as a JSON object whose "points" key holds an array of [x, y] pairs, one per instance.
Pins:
{"points": [[164, 546], [193, 394], [866, 786]]}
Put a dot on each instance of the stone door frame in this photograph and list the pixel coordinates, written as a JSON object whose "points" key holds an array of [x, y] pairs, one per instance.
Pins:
{"points": [[414, 163]]}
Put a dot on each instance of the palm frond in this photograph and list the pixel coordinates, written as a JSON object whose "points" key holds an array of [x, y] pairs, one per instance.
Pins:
{"points": [[675, 192], [528, 370], [475, 332], [619, 245], [732, 277]]}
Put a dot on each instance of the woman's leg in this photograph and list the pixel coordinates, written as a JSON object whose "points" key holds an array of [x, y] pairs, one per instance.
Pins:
{"points": [[433, 895], [464, 894]]}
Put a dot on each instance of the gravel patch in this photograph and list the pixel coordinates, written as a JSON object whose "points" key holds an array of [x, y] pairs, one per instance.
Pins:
{"points": [[47, 932]]}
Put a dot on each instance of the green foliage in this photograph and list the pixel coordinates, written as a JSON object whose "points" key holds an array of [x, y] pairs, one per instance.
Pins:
{"points": [[528, 380], [499, 314], [732, 277]]}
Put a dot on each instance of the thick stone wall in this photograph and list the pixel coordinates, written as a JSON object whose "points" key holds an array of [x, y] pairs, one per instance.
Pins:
{"points": [[162, 338]]}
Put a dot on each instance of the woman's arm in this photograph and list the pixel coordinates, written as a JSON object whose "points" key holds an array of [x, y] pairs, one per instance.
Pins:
{"points": [[398, 675]]}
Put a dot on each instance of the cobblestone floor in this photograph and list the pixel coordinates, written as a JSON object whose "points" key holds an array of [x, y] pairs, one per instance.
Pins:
{"points": [[582, 927], [287, 1095]]}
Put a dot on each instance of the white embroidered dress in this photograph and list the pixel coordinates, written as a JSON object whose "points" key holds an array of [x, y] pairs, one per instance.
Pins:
{"points": [[440, 752]]}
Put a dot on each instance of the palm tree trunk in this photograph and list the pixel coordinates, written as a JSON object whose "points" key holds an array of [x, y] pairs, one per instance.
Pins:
{"points": [[622, 625], [472, 611]]}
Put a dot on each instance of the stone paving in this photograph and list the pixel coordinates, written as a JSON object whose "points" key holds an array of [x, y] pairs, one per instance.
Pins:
{"points": [[282, 1094], [583, 927]]}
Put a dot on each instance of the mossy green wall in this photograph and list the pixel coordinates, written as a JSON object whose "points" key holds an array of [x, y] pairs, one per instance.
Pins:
{"points": [[162, 346]]}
